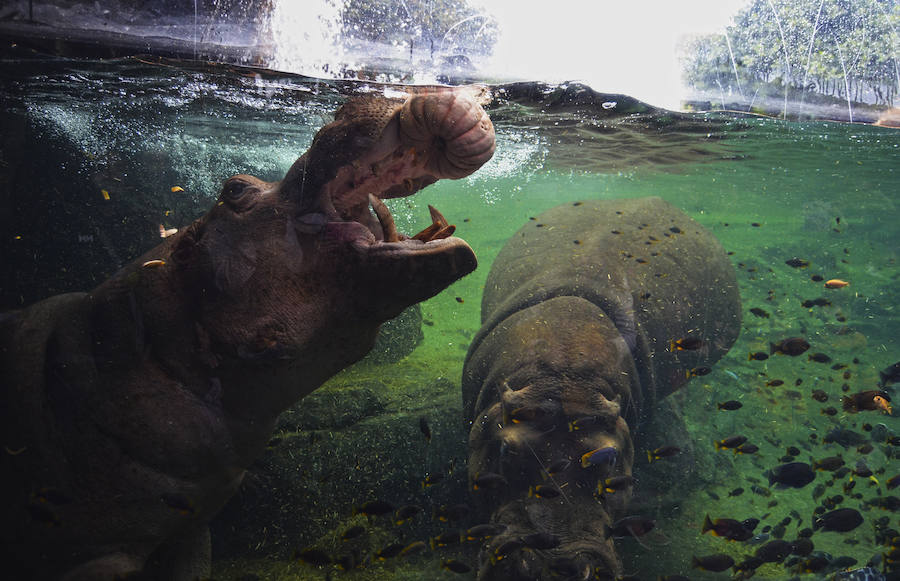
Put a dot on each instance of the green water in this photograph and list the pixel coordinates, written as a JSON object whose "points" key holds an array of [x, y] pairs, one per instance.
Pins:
{"points": [[769, 190]]}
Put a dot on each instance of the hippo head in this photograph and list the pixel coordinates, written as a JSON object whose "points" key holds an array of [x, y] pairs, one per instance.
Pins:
{"points": [[308, 268]]}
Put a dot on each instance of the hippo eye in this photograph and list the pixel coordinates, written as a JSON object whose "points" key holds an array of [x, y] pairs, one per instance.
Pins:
{"points": [[237, 193]]}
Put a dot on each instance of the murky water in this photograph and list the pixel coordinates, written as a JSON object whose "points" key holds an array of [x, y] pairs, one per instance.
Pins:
{"points": [[769, 190]]}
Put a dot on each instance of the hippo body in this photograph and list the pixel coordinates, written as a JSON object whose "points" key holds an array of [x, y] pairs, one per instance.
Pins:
{"points": [[583, 313], [131, 412]]}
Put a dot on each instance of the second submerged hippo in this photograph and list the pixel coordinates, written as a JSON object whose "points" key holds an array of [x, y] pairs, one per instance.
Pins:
{"points": [[591, 314], [131, 412]]}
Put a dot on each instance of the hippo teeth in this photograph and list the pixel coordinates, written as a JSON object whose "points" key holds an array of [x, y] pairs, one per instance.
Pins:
{"points": [[384, 217], [439, 227], [438, 230]]}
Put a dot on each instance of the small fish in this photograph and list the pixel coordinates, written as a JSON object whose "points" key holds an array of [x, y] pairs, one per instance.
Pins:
{"points": [[105, 195], [611, 485], [697, 372], [662, 452], [631, 526], [829, 411], [600, 456], [544, 491], [865, 448], [432, 479], [485, 531], [836, 283], [164, 233], [774, 551], [893, 482], [314, 557], [558, 466], [797, 263], [353, 532], [176, 189], [727, 528], [446, 539], [390, 551], [819, 358], [453, 512], [506, 548], [759, 313], [455, 566], [374, 508], [425, 428], [730, 405], [820, 395], [841, 520], [541, 541], [757, 356], [736, 492], [774, 383], [890, 374], [686, 344], [179, 502], [829, 464], [730, 442], [406, 513], [791, 474], [153, 264], [585, 422], [488, 480], [527, 414], [715, 563], [747, 449], [412, 548], [792, 346], [870, 400], [819, 302]]}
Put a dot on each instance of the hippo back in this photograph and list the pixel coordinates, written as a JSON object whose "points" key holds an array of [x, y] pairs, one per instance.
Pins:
{"points": [[656, 273]]}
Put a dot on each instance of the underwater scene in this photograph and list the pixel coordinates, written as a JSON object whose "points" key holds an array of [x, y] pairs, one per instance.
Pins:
{"points": [[714, 402]]}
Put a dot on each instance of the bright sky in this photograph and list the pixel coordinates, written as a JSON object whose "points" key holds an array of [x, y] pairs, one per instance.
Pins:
{"points": [[615, 46]]}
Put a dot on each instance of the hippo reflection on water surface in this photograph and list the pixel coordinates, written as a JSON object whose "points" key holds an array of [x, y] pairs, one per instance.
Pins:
{"points": [[591, 314], [131, 412]]}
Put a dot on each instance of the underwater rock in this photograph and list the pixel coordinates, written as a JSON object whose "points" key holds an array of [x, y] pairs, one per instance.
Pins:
{"points": [[322, 474], [142, 402], [334, 409], [583, 314]]}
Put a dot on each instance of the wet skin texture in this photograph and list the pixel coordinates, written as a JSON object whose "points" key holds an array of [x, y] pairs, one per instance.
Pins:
{"points": [[578, 314], [131, 412]]}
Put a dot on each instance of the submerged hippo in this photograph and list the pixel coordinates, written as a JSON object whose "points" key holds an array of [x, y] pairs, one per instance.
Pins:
{"points": [[591, 314], [131, 412]]}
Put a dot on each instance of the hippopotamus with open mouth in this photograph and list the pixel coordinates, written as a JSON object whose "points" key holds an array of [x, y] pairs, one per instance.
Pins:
{"points": [[131, 412], [591, 314]]}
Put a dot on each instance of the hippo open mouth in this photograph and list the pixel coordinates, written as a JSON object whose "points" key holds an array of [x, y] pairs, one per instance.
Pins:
{"points": [[401, 147]]}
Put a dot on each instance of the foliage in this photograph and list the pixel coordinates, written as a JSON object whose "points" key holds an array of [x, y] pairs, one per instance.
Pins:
{"points": [[830, 47]]}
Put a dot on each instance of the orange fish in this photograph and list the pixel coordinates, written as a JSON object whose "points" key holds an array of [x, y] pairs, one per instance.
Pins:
{"points": [[836, 283], [882, 404]]}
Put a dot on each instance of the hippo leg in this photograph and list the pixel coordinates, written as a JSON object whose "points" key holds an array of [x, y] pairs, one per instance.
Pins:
{"points": [[108, 567], [582, 312], [184, 557]]}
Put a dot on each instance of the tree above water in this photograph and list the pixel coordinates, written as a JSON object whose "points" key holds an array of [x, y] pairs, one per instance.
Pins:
{"points": [[830, 47]]}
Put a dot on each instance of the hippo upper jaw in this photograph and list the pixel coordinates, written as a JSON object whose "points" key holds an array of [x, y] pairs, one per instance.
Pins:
{"points": [[386, 148]]}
